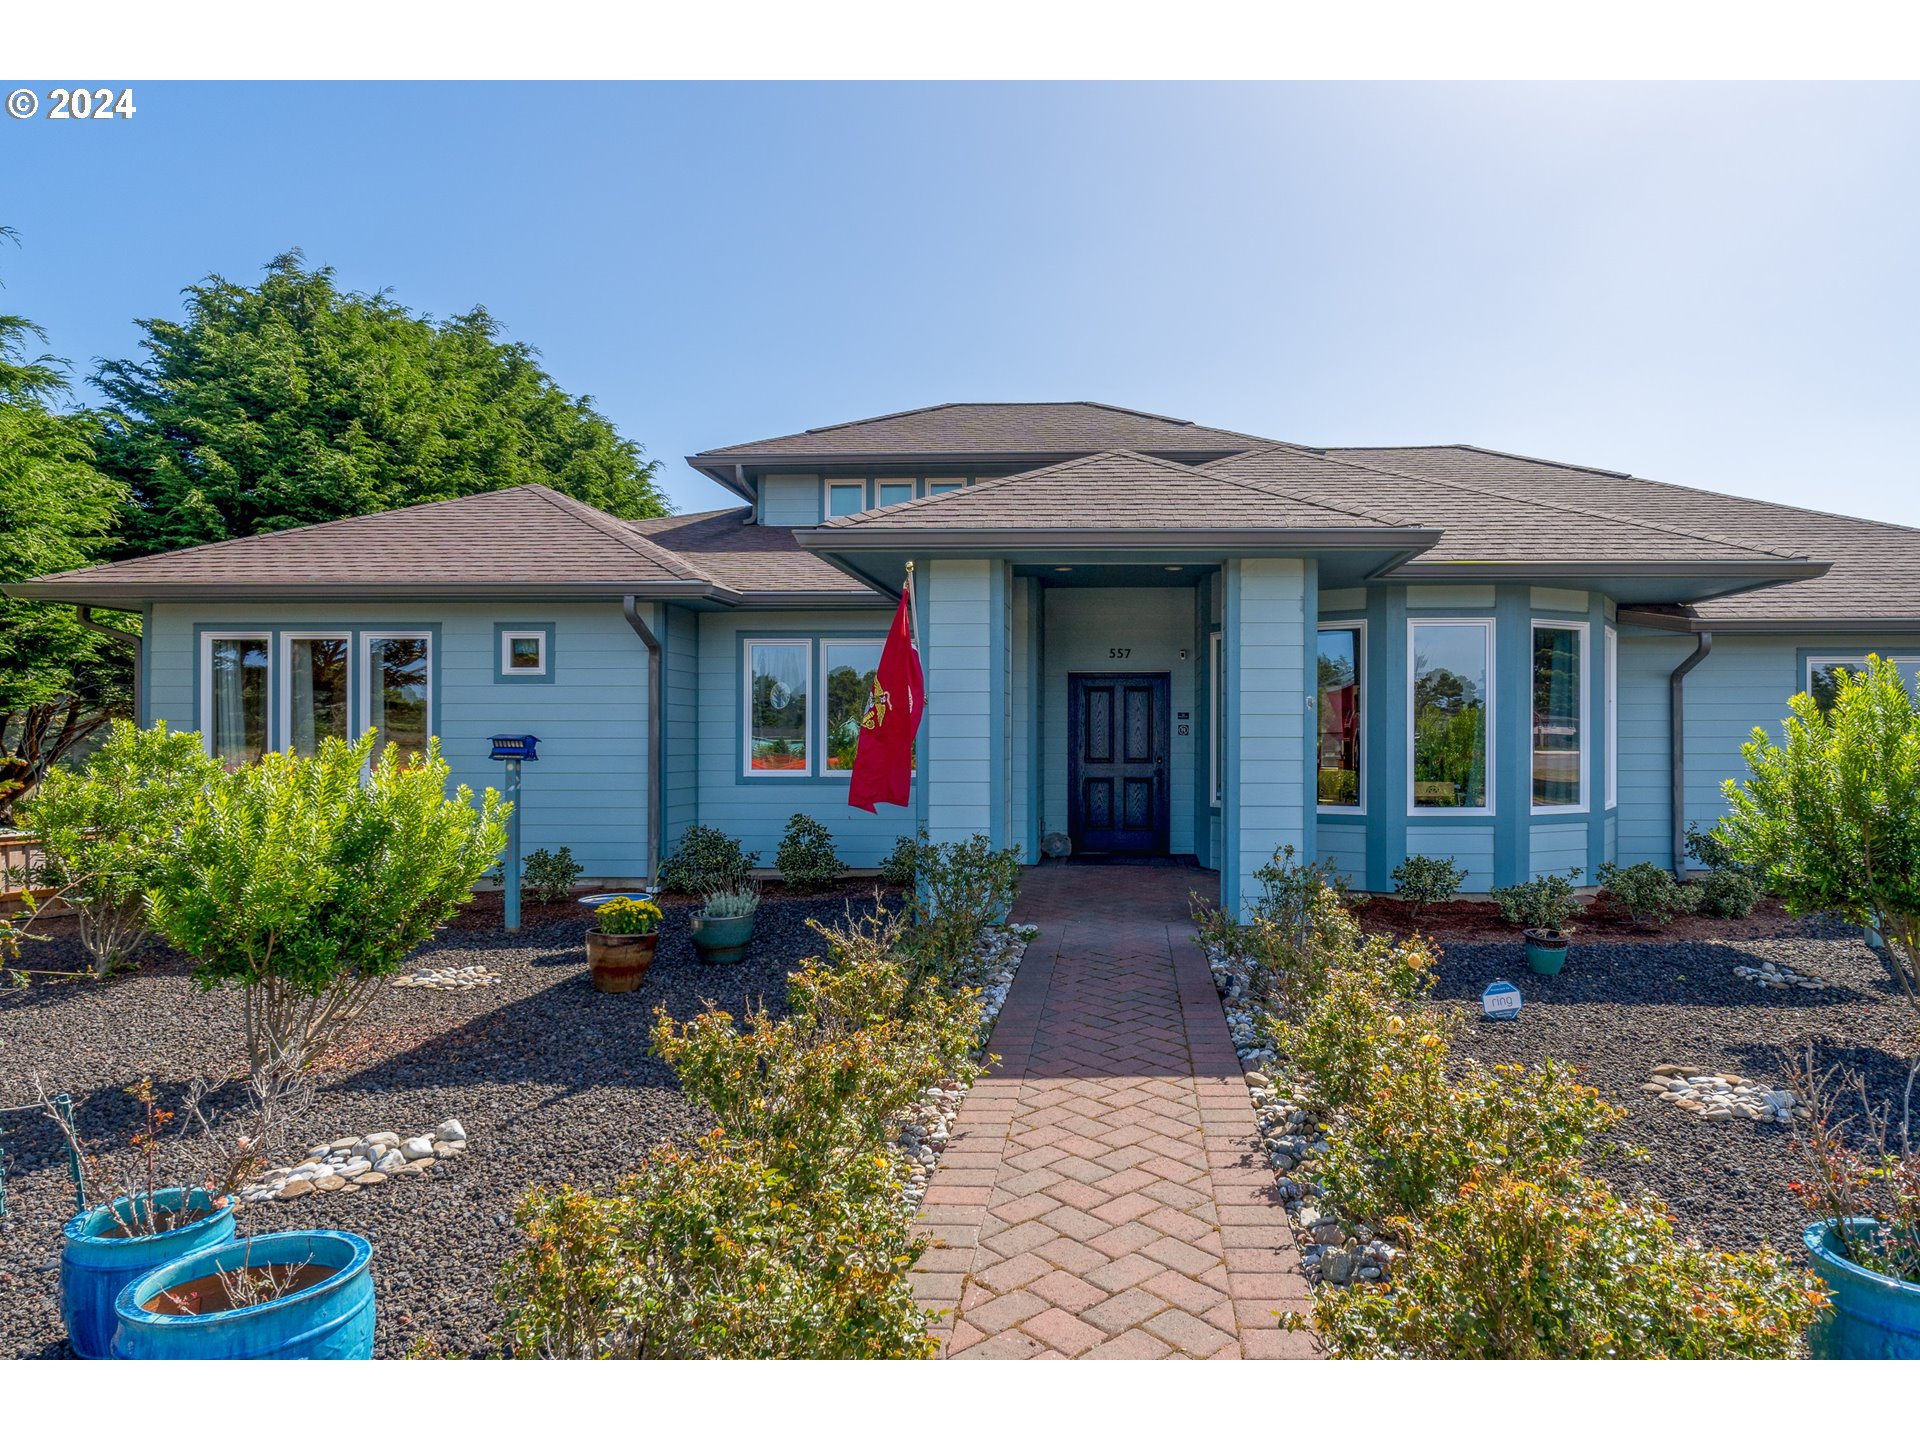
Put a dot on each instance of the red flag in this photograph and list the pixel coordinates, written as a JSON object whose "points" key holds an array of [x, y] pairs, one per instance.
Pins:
{"points": [[883, 752]]}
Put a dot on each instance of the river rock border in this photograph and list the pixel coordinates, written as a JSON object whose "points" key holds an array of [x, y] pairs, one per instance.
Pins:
{"points": [[1712, 1095], [1771, 976], [361, 1161], [450, 977], [928, 1122]]}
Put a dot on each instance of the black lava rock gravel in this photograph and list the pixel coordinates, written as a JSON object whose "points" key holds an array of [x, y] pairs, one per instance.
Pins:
{"points": [[551, 1079]]}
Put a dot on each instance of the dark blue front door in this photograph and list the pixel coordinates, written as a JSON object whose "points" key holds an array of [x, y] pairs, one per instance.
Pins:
{"points": [[1117, 773]]}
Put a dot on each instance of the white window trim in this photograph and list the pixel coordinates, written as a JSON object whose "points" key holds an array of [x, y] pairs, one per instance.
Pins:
{"points": [[507, 637], [1215, 731], [1492, 706], [859, 486], [283, 680], [363, 671], [1612, 680], [1857, 661], [945, 487], [1359, 627], [1584, 630], [791, 642], [207, 637], [912, 488]]}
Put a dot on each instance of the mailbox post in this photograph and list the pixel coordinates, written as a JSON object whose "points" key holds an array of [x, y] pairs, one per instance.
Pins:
{"points": [[513, 749]]}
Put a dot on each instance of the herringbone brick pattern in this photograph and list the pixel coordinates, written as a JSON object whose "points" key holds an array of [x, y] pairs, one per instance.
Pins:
{"points": [[1104, 1195]]}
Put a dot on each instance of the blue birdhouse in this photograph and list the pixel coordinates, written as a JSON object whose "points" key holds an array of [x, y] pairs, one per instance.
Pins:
{"points": [[514, 747]]}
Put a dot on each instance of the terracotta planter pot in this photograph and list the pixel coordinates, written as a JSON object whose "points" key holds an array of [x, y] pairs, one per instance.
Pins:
{"points": [[619, 962]]}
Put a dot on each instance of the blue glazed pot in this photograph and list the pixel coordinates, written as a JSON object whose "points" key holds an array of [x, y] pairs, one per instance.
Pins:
{"points": [[1874, 1316], [96, 1266], [330, 1321], [1545, 953]]}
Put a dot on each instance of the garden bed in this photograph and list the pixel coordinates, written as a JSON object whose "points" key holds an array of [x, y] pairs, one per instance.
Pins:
{"points": [[1603, 922], [551, 1080]]}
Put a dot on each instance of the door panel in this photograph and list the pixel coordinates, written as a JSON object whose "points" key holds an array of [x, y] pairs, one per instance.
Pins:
{"points": [[1117, 766]]}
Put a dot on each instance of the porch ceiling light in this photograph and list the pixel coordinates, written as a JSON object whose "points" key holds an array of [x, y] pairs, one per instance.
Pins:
{"points": [[1063, 568], [1176, 569]]}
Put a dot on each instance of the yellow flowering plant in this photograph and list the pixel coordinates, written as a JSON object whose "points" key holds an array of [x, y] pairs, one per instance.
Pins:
{"points": [[625, 916]]}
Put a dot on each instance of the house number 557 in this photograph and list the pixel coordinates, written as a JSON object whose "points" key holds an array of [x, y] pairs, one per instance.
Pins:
{"points": [[1119, 652]]}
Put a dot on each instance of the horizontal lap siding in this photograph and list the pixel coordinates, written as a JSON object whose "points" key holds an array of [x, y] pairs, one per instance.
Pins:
{"points": [[754, 810], [790, 500], [681, 799], [1346, 847], [588, 788], [1267, 635], [1468, 846], [959, 616], [1556, 849]]}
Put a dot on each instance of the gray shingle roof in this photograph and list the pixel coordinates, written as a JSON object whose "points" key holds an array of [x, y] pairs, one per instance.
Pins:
{"points": [[752, 559], [1873, 562], [525, 537], [969, 430], [1117, 490]]}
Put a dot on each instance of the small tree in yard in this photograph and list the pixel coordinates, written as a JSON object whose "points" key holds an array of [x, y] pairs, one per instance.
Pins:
{"points": [[306, 881], [105, 828], [1830, 818]]}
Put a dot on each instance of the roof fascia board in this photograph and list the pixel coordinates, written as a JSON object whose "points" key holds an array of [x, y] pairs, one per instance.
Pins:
{"points": [[1760, 573], [1762, 625], [121, 594], [822, 540]]}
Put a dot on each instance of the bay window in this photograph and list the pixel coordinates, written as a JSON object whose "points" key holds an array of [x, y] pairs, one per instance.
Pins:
{"points": [[235, 671], [1559, 715], [1341, 659], [1450, 689]]}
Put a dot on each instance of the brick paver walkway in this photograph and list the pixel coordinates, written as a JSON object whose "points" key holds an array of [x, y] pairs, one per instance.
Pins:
{"points": [[1103, 1195]]}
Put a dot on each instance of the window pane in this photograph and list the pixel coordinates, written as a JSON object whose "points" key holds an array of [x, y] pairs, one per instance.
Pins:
{"points": [[1340, 717], [317, 692], [1450, 715], [237, 726], [400, 674], [896, 493], [1556, 717], [942, 487], [850, 670], [523, 652], [846, 499], [779, 706]]}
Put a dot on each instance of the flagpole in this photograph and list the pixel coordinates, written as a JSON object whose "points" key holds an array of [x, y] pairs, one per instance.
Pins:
{"points": [[913, 614]]}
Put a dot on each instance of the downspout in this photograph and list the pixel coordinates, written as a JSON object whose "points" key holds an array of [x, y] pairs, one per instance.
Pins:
{"points": [[656, 714], [135, 643], [1677, 748]]}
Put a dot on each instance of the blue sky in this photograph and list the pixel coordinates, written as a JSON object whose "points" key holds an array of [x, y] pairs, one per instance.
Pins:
{"points": [[1713, 285]]}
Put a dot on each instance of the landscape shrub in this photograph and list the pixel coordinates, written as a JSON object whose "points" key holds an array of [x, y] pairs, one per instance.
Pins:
{"points": [[1543, 1262], [305, 882], [1423, 880], [1649, 893], [1546, 903], [898, 867], [1729, 892], [1298, 929], [105, 827], [806, 858], [1853, 1171], [1362, 1018], [706, 859], [962, 889], [1830, 818], [710, 1252], [1709, 849], [550, 875]]}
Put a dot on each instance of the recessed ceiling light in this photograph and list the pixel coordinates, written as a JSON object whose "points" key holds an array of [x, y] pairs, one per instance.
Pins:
{"points": [[1176, 569], [1063, 568]]}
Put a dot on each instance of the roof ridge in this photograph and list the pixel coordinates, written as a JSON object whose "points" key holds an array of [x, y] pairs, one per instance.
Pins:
{"points": [[1565, 508], [1216, 469], [615, 529], [1503, 454]]}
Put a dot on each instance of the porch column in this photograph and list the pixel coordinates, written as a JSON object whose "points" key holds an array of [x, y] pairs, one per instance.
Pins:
{"points": [[1269, 653], [966, 759]]}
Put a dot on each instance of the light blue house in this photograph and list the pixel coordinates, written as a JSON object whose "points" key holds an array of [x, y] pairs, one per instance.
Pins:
{"points": [[1144, 635]]}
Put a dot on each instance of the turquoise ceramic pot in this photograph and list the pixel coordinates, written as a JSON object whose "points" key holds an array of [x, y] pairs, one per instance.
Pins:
{"points": [[722, 940], [1546, 953], [96, 1266], [1874, 1316], [333, 1320]]}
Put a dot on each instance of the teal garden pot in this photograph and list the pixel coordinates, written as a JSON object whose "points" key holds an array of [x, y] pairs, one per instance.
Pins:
{"points": [[1546, 952], [722, 939], [96, 1264], [1874, 1316], [330, 1320]]}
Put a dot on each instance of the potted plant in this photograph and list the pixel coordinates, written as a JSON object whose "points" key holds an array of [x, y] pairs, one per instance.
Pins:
{"points": [[620, 946], [725, 924], [294, 1295], [1543, 907], [1865, 1241]]}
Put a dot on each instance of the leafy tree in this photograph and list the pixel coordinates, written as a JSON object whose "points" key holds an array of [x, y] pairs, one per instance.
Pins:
{"points": [[293, 401], [59, 681], [306, 881], [1830, 817]]}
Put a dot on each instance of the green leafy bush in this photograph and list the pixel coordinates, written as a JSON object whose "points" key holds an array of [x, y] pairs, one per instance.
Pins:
{"points": [[550, 875], [898, 867], [1298, 929], [962, 889], [1547, 903], [305, 882], [1708, 848], [105, 828], [1359, 1021], [806, 859], [1729, 892], [1650, 894], [712, 1253], [1545, 1263], [706, 859], [1423, 880], [1830, 818]]}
